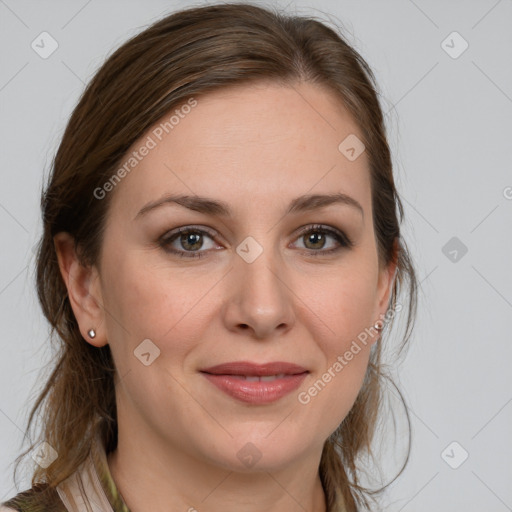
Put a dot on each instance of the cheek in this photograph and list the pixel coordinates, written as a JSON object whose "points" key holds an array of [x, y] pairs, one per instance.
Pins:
{"points": [[345, 305], [347, 347], [345, 314], [144, 302], [148, 314]]}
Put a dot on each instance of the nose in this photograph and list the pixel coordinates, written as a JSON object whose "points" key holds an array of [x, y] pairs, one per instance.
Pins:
{"points": [[259, 300]]}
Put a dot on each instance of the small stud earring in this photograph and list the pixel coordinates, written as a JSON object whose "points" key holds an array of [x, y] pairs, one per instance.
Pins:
{"points": [[91, 333], [378, 327]]}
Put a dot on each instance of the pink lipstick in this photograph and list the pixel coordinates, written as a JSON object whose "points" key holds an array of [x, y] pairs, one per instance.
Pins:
{"points": [[256, 383]]}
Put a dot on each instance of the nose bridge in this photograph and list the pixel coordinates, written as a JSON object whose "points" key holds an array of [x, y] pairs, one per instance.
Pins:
{"points": [[259, 267], [261, 298]]}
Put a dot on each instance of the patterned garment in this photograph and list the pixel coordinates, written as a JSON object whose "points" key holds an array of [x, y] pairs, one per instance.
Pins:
{"points": [[90, 489]]}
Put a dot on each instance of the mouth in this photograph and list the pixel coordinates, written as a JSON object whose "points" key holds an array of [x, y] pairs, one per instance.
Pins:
{"points": [[256, 383], [262, 378]]}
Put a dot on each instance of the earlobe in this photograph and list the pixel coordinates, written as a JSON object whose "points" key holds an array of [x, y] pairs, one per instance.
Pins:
{"points": [[84, 293]]}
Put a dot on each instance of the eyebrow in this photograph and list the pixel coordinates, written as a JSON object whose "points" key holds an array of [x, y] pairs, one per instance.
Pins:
{"points": [[221, 209]]}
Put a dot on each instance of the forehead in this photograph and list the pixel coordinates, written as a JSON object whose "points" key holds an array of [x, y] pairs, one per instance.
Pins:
{"points": [[246, 144]]}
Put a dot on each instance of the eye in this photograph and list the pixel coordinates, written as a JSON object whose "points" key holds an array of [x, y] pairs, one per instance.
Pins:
{"points": [[316, 237], [188, 241]]}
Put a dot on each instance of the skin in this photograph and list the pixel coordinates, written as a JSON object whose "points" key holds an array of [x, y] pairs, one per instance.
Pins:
{"points": [[255, 147]]}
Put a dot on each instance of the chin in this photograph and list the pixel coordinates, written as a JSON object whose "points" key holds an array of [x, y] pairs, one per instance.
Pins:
{"points": [[253, 452]]}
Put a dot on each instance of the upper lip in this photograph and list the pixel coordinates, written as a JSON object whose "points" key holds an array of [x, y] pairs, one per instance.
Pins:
{"points": [[253, 369]]}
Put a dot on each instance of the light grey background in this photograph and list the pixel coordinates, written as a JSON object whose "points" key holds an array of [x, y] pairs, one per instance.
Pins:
{"points": [[449, 127]]}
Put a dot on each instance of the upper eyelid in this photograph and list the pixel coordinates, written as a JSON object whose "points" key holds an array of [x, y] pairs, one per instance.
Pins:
{"points": [[214, 232], [300, 231]]}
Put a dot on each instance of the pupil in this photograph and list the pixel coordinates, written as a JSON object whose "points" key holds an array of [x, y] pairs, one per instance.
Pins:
{"points": [[191, 239], [315, 237]]}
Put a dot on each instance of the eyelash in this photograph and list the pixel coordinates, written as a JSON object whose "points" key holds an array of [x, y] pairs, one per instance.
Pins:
{"points": [[341, 238]]}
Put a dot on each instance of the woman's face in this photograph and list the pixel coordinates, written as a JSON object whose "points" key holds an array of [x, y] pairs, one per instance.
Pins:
{"points": [[275, 281]]}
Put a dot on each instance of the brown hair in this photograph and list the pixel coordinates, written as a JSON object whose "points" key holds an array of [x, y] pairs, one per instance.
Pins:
{"points": [[188, 54]]}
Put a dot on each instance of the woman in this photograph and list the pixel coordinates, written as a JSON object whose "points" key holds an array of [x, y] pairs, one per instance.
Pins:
{"points": [[221, 254]]}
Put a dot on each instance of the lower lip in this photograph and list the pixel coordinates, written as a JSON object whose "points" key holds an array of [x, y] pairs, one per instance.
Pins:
{"points": [[256, 392]]}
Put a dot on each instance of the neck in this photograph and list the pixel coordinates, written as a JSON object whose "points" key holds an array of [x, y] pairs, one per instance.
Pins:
{"points": [[150, 477]]}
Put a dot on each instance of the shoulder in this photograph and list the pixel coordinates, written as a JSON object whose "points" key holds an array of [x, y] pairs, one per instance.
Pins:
{"points": [[39, 498]]}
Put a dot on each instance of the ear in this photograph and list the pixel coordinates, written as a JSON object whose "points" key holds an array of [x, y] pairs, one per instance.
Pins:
{"points": [[84, 290], [386, 282]]}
